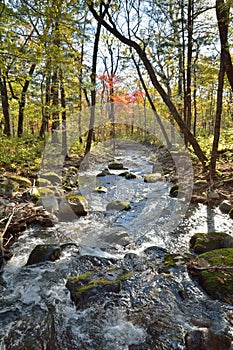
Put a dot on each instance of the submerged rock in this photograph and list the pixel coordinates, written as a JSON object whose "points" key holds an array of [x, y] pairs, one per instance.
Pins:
{"points": [[118, 205], [120, 237], [205, 339], [44, 252], [95, 283], [204, 242], [214, 271]]}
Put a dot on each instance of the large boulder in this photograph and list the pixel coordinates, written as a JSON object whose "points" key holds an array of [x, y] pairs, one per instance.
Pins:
{"points": [[93, 284], [204, 242], [214, 271], [44, 252], [118, 206], [205, 339]]}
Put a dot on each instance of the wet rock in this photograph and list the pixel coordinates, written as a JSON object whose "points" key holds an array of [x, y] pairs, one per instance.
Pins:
{"points": [[78, 204], [52, 177], [50, 202], [226, 208], [130, 176], [204, 242], [115, 165], [172, 261], [205, 339], [118, 205], [5, 255], [93, 284], [101, 189], [44, 252], [174, 191], [121, 238], [154, 177], [103, 173], [214, 272]]}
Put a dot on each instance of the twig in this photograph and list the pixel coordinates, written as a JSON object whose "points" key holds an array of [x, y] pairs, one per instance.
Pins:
{"points": [[6, 227]]}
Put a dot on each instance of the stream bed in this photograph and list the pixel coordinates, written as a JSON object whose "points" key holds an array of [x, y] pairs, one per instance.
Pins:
{"points": [[155, 308]]}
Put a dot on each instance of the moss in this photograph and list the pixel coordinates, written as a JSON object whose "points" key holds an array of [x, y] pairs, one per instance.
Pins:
{"points": [[86, 285], [45, 191], [51, 176], [22, 181], [154, 177], [204, 242], [216, 281], [118, 205]]}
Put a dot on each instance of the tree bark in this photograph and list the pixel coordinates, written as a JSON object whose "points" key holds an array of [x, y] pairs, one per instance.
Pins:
{"points": [[63, 114], [217, 126], [141, 53], [5, 106], [223, 14], [22, 101]]}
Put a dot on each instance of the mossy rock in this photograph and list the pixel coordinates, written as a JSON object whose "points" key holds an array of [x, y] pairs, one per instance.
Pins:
{"points": [[205, 242], [130, 176], [118, 205], [101, 189], [172, 261], [78, 204], [154, 177], [8, 187], [103, 173], [22, 181], [45, 191], [214, 271], [95, 283], [52, 177], [44, 182], [115, 165], [44, 252]]}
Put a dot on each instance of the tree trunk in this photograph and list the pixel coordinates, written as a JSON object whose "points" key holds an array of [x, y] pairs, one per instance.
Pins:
{"points": [[217, 126], [22, 101], [189, 64], [5, 106], [112, 29], [223, 14], [63, 114], [46, 109], [152, 104], [93, 91], [55, 105]]}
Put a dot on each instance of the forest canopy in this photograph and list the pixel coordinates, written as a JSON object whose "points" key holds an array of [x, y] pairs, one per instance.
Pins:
{"points": [[59, 58]]}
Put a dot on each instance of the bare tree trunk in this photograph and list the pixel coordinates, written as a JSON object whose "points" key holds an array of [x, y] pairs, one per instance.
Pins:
{"points": [[63, 114], [223, 14], [22, 101], [112, 29], [5, 106], [46, 109], [217, 126]]}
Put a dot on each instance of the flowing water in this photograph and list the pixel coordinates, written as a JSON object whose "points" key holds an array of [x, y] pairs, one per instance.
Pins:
{"points": [[154, 309]]}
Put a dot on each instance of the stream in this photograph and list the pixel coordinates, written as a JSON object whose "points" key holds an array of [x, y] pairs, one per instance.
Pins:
{"points": [[154, 309]]}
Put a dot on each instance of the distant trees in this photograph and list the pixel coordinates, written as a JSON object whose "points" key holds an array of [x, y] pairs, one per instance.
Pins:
{"points": [[54, 60]]}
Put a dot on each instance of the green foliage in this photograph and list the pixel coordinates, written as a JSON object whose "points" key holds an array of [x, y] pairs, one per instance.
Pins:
{"points": [[21, 155]]}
